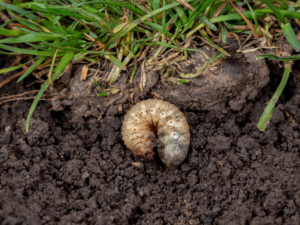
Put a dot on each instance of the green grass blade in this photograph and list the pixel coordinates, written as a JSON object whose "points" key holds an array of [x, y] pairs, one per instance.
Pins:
{"points": [[140, 40], [206, 5], [52, 66], [180, 12], [193, 16], [23, 5], [90, 9], [98, 84], [284, 6], [253, 14], [35, 65], [104, 94], [197, 27], [158, 28], [177, 21], [267, 114], [279, 58], [291, 8], [208, 63], [116, 61], [164, 15], [127, 6], [59, 12], [224, 34], [204, 20], [59, 25], [68, 56], [56, 46], [6, 70], [170, 46], [204, 34], [9, 21], [29, 24], [285, 13], [276, 11], [28, 38], [105, 26], [228, 25], [14, 33], [225, 9], [142, 8], [236, 16], [258, 13], [214, 8], [200, 9], [19, 10], [9, 53], [134, 23], [71, 43], [290, 36], [155, 6], [30, 52]]}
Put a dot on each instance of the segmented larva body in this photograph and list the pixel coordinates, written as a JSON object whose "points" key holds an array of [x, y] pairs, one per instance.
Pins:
{"points": [[152, 120]]}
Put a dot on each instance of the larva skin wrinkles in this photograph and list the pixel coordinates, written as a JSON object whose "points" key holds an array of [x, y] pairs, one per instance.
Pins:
{"points": [[152, 120]]}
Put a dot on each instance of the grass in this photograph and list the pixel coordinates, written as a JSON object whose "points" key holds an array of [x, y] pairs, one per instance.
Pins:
{"points": [[60, 32]]}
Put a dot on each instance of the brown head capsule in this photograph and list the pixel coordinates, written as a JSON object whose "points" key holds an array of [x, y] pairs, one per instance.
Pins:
{"points": [[158, 123]]}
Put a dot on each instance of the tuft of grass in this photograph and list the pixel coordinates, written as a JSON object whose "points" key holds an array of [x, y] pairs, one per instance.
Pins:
{"points": [[124, 31]]}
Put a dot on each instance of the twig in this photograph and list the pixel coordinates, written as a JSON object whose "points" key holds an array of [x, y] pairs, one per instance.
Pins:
{"points": [[18, 95], [219, 10], [7, 80], [244, 18], [17, 60], [23, 98]]}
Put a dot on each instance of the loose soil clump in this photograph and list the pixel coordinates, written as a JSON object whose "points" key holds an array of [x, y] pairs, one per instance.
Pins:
{"points": [[238, 79]]}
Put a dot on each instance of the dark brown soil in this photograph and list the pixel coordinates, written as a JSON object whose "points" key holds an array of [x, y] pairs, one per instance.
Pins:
{"points": [[67, 173], [233, 81]]}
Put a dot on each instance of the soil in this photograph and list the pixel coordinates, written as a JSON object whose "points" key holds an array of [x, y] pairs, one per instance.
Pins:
{"points": [[73, 168], [234, 80]]}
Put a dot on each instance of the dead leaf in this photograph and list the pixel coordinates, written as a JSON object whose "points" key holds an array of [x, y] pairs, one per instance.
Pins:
{"points": [[84, 72], [102, 46], [107, 16], [209, 31], [188, 42], [263, 42], [245, 19], [219, 10], [165, 60], [254, 49], [274, 30], [143, 77], [186, 5], [120, 109], [4, 17], [143, 56], [236, 37], [7, 80], [249, 44]]}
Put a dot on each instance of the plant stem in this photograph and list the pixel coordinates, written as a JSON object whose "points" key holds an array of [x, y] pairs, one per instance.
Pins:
{"points": [[267, 114]]}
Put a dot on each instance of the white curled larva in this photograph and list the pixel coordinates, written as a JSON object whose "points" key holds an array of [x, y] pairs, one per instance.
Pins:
{"points": [[156, 123]]}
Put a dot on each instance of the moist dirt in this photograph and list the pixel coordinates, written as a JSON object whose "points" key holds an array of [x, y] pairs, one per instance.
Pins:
{"points": [[69, 170], [234, 81]]}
